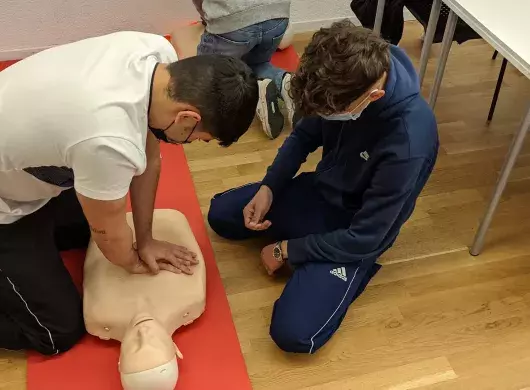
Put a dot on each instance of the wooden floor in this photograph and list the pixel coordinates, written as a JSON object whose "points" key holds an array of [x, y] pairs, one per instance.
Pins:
{"points": [[434, 317]]}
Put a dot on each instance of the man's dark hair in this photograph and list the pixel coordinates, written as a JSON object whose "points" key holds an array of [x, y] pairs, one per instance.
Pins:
{"points": [[223, 88], [339, 64]]}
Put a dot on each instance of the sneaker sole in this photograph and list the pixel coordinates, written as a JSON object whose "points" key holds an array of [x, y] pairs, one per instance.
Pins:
{"points": [[273, 121], [289, 104]]}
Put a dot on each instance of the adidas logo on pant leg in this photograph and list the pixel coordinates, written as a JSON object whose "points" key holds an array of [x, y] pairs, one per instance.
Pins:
{"points": [[339, 273]]}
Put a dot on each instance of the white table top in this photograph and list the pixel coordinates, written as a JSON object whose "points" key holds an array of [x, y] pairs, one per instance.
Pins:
{"points": [[504, 24]]}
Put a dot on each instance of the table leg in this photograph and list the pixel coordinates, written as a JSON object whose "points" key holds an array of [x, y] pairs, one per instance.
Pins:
{"points": [[446, 47], [379, 16], [429, 37], [517, 143], [497, 89]]}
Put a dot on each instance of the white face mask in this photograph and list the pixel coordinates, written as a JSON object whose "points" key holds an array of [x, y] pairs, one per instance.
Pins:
{"points": [[349, 116]]}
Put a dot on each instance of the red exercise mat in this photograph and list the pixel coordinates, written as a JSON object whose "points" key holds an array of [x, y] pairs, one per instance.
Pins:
{"points": [[286, 59], [6, 64], [212, 356]]}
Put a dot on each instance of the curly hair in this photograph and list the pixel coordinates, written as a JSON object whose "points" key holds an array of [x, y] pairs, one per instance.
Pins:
{"points": [[339, 64]]}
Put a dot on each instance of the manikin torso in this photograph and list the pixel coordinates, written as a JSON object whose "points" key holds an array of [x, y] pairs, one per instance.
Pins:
{"points": [[143, 311]]}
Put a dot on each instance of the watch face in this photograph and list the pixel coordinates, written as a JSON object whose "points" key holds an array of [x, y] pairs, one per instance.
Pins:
{"points": [[277, 253]]}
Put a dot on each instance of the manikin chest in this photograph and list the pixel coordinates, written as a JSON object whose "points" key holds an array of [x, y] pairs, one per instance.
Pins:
{"points": [[112, 296]]}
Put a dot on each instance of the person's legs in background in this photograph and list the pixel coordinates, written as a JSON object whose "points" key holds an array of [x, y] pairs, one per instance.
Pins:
{"points": [[259, 59], [41, 308], [317, 296], [255, 45], [237, 44]]}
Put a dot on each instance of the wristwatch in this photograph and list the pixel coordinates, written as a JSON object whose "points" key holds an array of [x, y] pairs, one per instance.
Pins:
{"points": [[277, 252]]}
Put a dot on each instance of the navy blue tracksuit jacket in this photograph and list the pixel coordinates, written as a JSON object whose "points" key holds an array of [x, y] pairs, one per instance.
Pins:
{"points": [[374, 167]]}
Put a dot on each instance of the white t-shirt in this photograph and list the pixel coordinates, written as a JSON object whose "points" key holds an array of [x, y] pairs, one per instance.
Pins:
{"points": [[76, 116]]}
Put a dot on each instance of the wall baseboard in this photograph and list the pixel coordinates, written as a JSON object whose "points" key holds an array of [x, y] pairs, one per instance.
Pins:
{"points": [[313, 25], [298, 27]]}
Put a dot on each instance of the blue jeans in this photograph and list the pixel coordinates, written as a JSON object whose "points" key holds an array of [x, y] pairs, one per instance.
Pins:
{"points": [[254, 44], [314, 300]]}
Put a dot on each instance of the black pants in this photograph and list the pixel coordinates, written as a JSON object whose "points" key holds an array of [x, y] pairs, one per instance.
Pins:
{"points": [[318, 294], [40, 307]]}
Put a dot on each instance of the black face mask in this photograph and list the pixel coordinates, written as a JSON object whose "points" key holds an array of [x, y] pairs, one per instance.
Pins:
{"points": [[161, 134]]}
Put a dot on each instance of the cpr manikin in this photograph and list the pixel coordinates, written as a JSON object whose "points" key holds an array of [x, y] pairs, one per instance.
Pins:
{"points": [[143, 311]]}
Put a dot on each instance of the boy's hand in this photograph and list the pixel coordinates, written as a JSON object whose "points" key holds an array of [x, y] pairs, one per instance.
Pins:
{"points": [[257, 208]]}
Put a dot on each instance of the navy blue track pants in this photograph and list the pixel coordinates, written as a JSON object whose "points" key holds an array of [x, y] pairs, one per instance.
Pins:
{"points": [[318, 294]]}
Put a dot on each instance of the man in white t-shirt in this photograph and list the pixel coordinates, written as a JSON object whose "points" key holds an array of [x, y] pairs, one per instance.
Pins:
{"points": [[80, 126]]}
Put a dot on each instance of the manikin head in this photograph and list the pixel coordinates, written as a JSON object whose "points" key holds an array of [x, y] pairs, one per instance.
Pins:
{"points": [[202, 98], [343, 69], [148, 356]]}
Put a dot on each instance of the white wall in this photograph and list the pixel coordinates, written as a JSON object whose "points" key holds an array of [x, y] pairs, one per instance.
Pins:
{"points": [[27, 26], [308, 15]]}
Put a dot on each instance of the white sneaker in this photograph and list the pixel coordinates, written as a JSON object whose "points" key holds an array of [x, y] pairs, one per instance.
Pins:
{"points": [[268, 110], [289, 103]]}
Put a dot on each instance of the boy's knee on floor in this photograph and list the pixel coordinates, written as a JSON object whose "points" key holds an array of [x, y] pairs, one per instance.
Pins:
{"points": [[286, 340], [227, 221], [214, 216], [217, 218], [287, 335]]}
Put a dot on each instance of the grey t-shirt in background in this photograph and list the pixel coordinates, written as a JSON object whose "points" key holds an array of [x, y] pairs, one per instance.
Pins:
{"points": [[223, 16]]}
